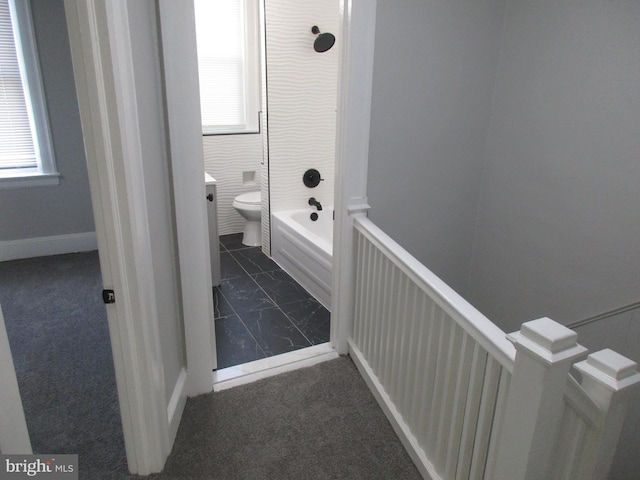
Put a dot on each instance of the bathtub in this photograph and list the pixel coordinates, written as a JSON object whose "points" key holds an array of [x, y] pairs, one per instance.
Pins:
{"points": [[303, 248]]}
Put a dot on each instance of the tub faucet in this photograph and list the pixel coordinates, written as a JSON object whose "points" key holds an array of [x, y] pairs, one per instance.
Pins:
{"points": [[315, 203]]}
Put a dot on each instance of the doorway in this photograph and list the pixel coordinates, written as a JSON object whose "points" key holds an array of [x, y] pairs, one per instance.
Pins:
{"points": [[298, 125]]}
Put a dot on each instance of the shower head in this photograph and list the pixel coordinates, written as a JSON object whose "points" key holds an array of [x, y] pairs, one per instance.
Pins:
{"points": [[324, 41]]}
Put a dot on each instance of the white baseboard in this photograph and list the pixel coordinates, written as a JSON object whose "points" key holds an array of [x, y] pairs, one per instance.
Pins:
{"points": [[176, 405], [44, 246]]}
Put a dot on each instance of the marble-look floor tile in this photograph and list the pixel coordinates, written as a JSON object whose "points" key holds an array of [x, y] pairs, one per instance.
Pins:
{"points": [[232, 242], [274, 332], [281, 287], [229, 267], [234, 343], [254, 261], [221, 307], [311, 318], [244, 295]]}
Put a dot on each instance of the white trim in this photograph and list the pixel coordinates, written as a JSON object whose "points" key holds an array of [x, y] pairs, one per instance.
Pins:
{"points": [[14, 436], [176, 404], [99, 34], [268, 367], [352, 154], [29, 181], [43, 246]]}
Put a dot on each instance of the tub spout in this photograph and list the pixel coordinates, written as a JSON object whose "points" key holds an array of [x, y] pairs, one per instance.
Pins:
{"points": [[313, 202]]}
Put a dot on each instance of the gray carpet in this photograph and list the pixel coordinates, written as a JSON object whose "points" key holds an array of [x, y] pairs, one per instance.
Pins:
{"points": [[317, 423], [59, 338], [320, 422]]}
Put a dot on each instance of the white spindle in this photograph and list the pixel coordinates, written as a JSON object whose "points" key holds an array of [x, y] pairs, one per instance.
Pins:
{"points": [[409, 361], [459, 404], [496, 425], [486, 411], [422, 406], [472, 408], [415, 370], [448, 398]]}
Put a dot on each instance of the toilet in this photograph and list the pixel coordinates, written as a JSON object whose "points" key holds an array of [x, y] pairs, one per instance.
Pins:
{"points": [[249, 205]]}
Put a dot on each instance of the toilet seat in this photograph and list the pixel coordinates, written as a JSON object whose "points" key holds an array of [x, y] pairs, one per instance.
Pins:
{"points": [[248, 201]]}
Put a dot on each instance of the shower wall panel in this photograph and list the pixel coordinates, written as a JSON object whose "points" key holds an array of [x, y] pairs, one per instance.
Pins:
{"points": [[302, 93]]}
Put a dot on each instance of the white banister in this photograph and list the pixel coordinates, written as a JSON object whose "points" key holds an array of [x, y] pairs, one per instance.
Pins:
{"points": [[483, 330], [468, 401], [608, 378], [545, 351]]}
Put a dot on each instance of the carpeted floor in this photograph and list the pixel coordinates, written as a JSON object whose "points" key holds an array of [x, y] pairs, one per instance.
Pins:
{"points": [[317, 423], [59, 338], [320, 422]]}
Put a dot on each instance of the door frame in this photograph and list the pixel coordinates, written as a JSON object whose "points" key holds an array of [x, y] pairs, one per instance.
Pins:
{"points": [[352, 156], [14, 435], [99, 34], [102, 57]]}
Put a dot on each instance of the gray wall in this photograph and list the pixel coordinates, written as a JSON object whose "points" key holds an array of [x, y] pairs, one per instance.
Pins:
{"points": [[433, 73], [559, 215], [548, 134], [63, 209]]}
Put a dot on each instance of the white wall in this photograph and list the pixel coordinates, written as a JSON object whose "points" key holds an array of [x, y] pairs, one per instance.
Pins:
{"points": [[64, 209], [144, 33], [301, 97], [226, 158], [302, 93], [432, 84], [558, 220]]}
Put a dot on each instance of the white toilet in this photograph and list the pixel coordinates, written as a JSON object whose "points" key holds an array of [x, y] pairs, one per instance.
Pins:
{"points": [[249, 205]]}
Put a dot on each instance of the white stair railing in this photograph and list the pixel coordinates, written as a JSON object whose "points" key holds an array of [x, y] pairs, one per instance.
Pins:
{"points": [[465, 402]]}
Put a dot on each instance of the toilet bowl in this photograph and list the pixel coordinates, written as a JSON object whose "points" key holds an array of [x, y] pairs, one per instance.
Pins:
{"points": [[249, 205]]}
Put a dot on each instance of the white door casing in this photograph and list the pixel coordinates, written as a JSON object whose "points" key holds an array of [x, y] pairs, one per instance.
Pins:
{"points": [[352, 155], [14, 436], [99, 34]]}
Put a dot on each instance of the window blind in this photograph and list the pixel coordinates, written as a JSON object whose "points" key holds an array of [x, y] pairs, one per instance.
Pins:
{"points": [[220, 31], [17, 149]]}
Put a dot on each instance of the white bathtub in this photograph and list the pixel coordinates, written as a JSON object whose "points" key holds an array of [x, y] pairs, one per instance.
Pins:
{"points": [[303, 248]]}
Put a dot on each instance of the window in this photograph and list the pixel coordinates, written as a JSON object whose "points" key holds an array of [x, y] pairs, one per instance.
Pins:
{"points": [[26, 157], [229, 65]]}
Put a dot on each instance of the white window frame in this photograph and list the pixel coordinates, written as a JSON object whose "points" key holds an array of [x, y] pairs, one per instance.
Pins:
{"points": [[252, 90], [45, 173]]}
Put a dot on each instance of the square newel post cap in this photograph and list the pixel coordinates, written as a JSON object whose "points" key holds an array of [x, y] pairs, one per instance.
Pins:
{"points": [[610, 369], [548, 341]]}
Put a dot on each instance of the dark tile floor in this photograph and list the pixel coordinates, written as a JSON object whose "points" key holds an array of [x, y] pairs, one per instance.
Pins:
{"points": [[260, 311]]}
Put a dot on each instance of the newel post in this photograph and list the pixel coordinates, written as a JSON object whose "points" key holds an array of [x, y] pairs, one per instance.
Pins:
{"points": [[608, 378], [545, 351]]}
